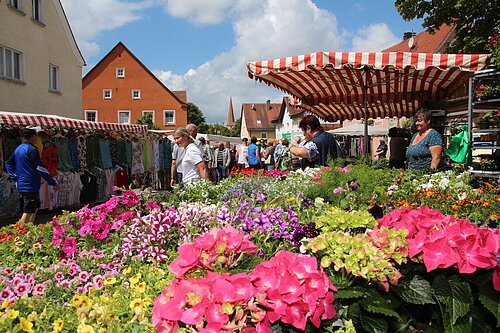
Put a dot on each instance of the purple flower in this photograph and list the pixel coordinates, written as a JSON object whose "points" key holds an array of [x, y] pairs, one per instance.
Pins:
{"points": [[376, 211], [353, 185]]}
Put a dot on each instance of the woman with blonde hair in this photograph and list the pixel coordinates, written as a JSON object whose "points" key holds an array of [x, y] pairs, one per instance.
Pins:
{"points": [[193, 167]]}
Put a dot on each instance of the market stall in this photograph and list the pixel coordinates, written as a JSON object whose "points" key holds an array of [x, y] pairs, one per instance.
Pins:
{"points": [[88, 159], [354, 85]]}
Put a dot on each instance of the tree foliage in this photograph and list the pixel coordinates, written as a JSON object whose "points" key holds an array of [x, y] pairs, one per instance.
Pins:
{"points": [[475, 20], [195, 115], [237, 128], [147, 119]]}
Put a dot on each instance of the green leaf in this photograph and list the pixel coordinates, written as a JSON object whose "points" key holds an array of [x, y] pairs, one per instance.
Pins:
{"points": [[354, 312], [456, 295], [374, 324], [479, 322], [380, 305], [489, 298], [415, 291], [354, 292], [461, 325]]}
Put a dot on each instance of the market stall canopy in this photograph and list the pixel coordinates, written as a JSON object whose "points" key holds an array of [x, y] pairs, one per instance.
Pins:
{"points": [[350, 85], [359, 130], [24, 119]]}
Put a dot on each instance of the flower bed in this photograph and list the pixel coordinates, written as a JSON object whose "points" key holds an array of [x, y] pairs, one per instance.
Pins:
{"points": [[264, 253]]}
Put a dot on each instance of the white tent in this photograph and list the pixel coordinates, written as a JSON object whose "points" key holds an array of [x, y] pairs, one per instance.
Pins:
{"points": [[359, 130]]}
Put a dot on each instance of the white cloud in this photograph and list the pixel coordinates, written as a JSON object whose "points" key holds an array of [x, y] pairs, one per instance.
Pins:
{"points": [[198, 11], [374, 38], [264, 29], [88, 18]]}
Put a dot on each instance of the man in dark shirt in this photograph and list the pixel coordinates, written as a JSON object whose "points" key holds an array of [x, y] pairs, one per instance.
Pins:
{"points": [[26, 168], [319, 145]]}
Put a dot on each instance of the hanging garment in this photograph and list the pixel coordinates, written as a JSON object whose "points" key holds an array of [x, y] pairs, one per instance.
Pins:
{"points": [[137, 156], [50, 157], [93, 152], [146, 158], [64, 164], [89, 188], [73, 151], [82, 151], [105, 154]]}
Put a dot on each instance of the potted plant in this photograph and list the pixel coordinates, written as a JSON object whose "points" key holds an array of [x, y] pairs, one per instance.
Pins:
{"points": [[487, 118]]}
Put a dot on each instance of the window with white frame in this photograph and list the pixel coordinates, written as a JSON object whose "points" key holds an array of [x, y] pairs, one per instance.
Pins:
{"points": [[263, 135], [54, 78], [258, 122], [123, 117], [106, 94], [169, 117], [37, 10], [17, 4], [11, 63], [91, 115], [120, 72], [136, 94], [152, 112]]}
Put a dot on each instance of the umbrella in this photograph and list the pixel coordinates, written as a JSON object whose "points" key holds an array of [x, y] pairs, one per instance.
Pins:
{"points": [[349, 85], [359, 130]]}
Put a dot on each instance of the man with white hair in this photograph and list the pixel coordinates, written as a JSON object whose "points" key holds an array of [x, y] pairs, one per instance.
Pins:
{"points": [[223, 159]]}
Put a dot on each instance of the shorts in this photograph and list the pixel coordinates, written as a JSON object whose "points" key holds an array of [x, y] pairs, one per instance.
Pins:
{"points": [[31, 202]]}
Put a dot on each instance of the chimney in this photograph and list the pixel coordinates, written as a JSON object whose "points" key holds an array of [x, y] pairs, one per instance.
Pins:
{"points": [[408, 35]]}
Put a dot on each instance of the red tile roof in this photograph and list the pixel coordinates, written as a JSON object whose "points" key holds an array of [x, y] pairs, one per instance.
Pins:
{"points": [[265, 112], [425, 42], [293, 110]]}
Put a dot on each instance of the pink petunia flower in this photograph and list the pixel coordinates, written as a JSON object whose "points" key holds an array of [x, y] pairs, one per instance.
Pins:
{"points": [[69, 246], [39, 289]]}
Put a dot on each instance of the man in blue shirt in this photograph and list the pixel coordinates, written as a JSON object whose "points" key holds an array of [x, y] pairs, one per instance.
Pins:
{"points": [[26, 168]]}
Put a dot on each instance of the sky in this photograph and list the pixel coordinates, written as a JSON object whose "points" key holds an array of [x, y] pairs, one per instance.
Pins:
{"points": [[202, 46]]}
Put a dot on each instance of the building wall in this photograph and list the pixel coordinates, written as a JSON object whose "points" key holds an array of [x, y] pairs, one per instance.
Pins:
{"points": [[244, 130], [270, 134], [153, 95], [40, 44]]}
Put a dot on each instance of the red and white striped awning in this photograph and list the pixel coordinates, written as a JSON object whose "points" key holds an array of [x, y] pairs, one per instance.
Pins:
{"points": [[25, 119], [338, 85]]}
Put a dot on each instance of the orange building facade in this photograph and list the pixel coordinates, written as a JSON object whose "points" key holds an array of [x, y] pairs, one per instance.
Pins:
{"points": [[120, 89]]}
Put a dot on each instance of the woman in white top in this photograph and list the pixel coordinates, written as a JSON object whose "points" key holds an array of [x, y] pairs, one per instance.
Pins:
{"points": [[193, 167]]}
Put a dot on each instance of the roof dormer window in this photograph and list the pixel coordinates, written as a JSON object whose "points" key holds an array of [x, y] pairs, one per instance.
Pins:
{"points": [[258, 122]]}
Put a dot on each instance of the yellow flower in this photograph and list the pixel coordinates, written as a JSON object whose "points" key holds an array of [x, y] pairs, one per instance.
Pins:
{"points": [[86, 301], [58, 325], [104, 299], [140, 287], [109, 281], [37, 246], [82, 328], [126, 271], [76, 301], [32, 316], [134, 279], [112, 316], [12, 314], [5, 303], [290, 199], [26, 325], [136, 303]]}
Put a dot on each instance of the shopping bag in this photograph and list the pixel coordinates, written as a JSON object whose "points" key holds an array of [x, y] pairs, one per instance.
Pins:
{"points": [[459, 148]]}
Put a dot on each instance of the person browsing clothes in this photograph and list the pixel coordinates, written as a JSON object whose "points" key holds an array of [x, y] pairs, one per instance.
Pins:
{"points": [[193, 166], [319, 145], [26, 168]]}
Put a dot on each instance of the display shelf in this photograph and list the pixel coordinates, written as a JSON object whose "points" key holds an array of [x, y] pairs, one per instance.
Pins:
{"points": [[488, 148]]}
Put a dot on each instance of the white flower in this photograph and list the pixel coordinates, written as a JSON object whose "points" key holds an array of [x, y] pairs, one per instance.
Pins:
{"points": [[462, 196], [444, 183], [318, 202], [459, 184]]}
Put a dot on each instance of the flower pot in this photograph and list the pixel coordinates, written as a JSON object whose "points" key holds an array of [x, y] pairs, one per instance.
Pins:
{"points": [[484, 124]]}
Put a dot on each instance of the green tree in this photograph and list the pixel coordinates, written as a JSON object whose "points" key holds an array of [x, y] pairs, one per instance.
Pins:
{"points": [[237, 128], [147, 119], [195, 115], [218, 129], [474, 20]]}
